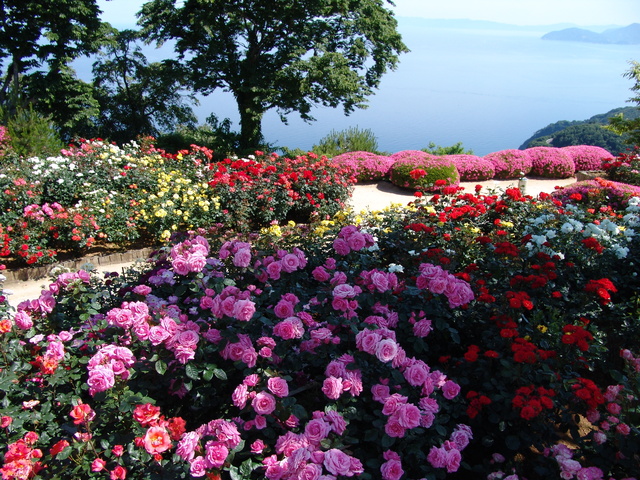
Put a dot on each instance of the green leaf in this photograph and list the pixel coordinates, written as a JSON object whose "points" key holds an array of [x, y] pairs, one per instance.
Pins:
{"points": [[161, 367], [192, 371], [220, 374]]}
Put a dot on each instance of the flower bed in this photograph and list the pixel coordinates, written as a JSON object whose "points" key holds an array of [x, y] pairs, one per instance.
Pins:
{"points": [[510, 164], [587, 157], [473, 168], [460, 339], [550, 162], [98, 194]]}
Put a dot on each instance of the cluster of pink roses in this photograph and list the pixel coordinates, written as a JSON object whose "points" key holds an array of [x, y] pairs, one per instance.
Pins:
{"points": [[351, 239], [340, 379], [570, 468], [190, 255], [378, 281], [108, 363], [22, 460], [448, 455], [214, 439], [284, 261], [437, 280], [231, 302]]}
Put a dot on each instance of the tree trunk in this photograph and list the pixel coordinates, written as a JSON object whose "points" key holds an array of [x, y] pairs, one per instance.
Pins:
{"points": [[250, 121]]}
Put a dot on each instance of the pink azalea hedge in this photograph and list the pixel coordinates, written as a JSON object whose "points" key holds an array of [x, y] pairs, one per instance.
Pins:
{"points": [[473, 168], [510, 164], [551, 162], [367, 167], [587, 157]]}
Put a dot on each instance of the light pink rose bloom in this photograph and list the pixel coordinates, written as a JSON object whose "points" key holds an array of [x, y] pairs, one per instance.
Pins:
{"points": [[278, 386], [187, 445], [437, 457], [386, 350], [196, 262], [263, 403], [198, 467], [290, 262], [356, 241], [242, 258], [438, 284], [391, 470], [337, 462], [143, 290], [184, 354], [316, 430], [257, 447], [429, 271], [416, 373], [243, 310], [422, 328], [188, 338], [46, 301], [310, 471], [273, 270], [101, 378], [289, 328], [392, 402], [368, 340], [157, 440], [452, 461], [23, 320], [380, 281], [157, 335], [393, 428], [380, 392], [240, 395], [120, 317], [332, 387], [337, 422], [180, 265], [408, 415], [340, 304], [216, 454], [450, 389]]}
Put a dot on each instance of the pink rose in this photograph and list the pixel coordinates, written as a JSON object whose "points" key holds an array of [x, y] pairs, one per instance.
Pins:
{"points": [[450, 389], [101, 378], [316, 430], [380, 392], [243, 310], [336, 421], [196, 263], [344, 291], [341, 246], [416, 373], [263, 403], [198, 467], [422, 328], [290, 263], [278, 386], [46, 301], [408, 415], [23, 320], [452, 460], [273, 270], [242, 258], [356, 241], [320, 274], [393, 428], [187, 445], [380, 281], [386, 350], [437, 457], [283, 309], [309, 471], [257, 447], [392, 470], [157, 440], [180, 265], [240, 395], [337, 462], [332, 387], [216, 454], [289, 328], [188, 338]]}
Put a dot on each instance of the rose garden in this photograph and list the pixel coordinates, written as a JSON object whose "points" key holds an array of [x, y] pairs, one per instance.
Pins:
{"points": [[276, 334]]}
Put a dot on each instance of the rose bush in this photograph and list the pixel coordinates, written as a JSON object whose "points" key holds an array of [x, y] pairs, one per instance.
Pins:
{"points": [[368, 167], [423, 172], [468, 336], [510, 164]]}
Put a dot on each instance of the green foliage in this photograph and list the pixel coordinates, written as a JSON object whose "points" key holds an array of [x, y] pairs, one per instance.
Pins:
{"points": [[353, 139], [630, 125], [214, 135], [455, 149], [291, 55], [32, 133], [585, 132], [137, 97], [427, 175]]}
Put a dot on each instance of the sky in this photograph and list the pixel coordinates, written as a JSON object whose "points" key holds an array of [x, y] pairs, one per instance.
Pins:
{"points": [[121, 13]]}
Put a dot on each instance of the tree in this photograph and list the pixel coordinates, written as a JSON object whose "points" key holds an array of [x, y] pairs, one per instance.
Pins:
{"points": [[38, 35], [631, 126], [137, 97], [290, 55]]}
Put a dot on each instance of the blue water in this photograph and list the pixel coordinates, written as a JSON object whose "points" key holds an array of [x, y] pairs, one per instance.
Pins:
{"points": [[490, 89]]}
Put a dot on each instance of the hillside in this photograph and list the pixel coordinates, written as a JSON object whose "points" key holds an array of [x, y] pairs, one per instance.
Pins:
{"points": [[629, 35], [583, 132]]}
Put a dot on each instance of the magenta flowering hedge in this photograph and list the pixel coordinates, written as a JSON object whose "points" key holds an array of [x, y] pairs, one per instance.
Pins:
{"points": [[510, 164], [550, 162], [368, 167], [423, 172], [587, 157], [473, 168], [598, 192]]}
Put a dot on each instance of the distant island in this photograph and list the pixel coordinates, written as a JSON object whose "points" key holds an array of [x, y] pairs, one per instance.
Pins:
{"points": [[629, 35]]}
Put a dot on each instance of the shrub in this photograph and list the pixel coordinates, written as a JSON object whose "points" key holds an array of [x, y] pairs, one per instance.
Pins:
{"points": [[32, 133], [598, 192], [420, 171], [625, 168], [352, 139], [510, 164], [550, 162], [473, 168], [5, 141], [368, 167], [587, 157]]}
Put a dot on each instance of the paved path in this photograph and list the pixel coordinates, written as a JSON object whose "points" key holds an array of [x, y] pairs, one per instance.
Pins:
{"points": [[365, 197]]}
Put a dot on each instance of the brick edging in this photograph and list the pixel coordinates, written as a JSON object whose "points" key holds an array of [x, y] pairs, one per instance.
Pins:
{"points": [[37, 273]]}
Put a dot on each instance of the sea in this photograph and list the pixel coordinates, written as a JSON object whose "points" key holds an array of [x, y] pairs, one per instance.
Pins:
{"points": [[489, 86]]}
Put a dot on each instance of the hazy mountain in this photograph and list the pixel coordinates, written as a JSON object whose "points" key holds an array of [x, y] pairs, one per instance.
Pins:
{"points": [[629, 35]]}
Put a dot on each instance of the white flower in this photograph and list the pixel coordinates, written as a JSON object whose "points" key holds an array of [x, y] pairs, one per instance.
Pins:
{"points": [[394, 267], [621, 252]]}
